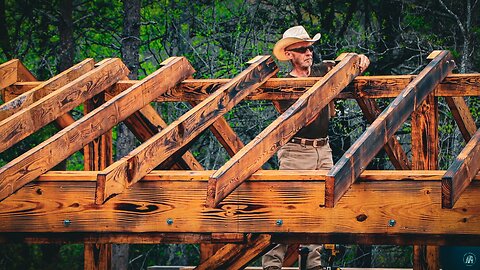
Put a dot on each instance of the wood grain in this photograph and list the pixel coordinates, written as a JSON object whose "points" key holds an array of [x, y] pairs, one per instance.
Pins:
{"points": [[461, 172], [280, 131], [237, 256], [252, 208], [8, 73], [393, 148], [463, 117], [40, 159], [131, 168], [344, 173], [46, 109], [45, 88]]}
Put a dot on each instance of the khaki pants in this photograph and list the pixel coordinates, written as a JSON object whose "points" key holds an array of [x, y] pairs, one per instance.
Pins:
{"points": [[300, 157]]}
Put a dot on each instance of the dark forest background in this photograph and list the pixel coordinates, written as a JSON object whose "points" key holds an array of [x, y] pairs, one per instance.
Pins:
{"points": [[218, 38]]}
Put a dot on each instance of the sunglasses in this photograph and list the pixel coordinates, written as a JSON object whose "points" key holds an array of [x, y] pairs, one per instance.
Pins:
{"points": [[301, 49]]}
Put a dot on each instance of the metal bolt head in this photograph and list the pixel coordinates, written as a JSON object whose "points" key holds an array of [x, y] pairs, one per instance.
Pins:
{"points": [[392, 222], [169, 221], [279, 222], [67, 222]]}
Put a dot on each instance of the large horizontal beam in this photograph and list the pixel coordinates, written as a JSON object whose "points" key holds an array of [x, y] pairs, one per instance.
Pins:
{"points": [[407, 208], [260, 175], [388, 86]]}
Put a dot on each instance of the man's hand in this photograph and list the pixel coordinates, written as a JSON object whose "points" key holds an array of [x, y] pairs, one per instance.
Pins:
{"points": [[364, 62]]}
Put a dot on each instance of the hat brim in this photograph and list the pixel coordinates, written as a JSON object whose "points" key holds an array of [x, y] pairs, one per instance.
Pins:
{"points": [[279, 48]]}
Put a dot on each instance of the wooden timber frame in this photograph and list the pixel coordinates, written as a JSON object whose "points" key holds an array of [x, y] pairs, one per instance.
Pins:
{"points": [[159, 193]]}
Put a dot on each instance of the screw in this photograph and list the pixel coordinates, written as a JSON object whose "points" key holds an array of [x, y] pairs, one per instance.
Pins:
{"points": [[392, 222], [279, 222], [169, 221], [66, 222]]}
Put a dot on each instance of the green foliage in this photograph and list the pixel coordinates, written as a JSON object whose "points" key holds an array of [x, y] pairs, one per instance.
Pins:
{"points": [[218, 37]]}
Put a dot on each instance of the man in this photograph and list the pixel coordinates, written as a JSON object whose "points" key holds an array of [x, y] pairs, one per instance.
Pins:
{"points": [[309, 148]]}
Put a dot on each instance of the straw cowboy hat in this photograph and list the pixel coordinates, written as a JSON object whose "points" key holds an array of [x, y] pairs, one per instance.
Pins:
{"points": [[291, 36]]}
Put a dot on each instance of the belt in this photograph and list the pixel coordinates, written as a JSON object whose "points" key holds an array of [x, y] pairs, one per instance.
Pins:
{"points": [[312, 142]]}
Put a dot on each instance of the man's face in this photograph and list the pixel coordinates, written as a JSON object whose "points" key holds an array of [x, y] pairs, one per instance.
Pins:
{"points": [[299, 55]]}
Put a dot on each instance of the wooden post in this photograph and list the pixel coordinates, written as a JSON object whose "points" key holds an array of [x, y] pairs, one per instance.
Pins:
{"points": [[97, 156], [425, 157]]}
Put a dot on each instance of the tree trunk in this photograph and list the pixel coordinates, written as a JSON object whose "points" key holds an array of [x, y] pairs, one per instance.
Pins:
{"points": [[65, 29], [125, 139]]}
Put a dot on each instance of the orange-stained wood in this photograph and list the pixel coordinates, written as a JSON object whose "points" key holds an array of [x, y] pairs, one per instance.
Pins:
{"points": [[266, 144], [225, 134], [46, 109], [131, 168], [8, 73], [383, 86], [425, 157], [344, 173], [145, 123], [254, 207], [461, 172], [45, 88], [463, 117], [237, 256], [260, 175], [97, 256], [40, 159], [393, 148]]}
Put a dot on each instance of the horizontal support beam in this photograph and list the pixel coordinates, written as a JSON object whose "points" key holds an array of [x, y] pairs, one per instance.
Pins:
{"points": [[260, 175], [254, 207], [388, 86]]}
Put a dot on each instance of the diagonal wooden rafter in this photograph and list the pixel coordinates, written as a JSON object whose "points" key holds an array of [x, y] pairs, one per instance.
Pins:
{"points": [[354, 161], [265, 145], [463, 117], [45, 88], [461, 172], [131, 168], [146, 122], [394, 150], [38, 114], [225, 134], [40, 159], [237, 256]]}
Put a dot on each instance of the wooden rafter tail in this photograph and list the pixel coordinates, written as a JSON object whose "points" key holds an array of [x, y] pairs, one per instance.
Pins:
{"points": [[38, 114], [146, 122], [461, 172], [265, 145], [463, 117], [45, 88], [356, 158], [130, 169], [393, 148], [8, 73], [237, 256]]}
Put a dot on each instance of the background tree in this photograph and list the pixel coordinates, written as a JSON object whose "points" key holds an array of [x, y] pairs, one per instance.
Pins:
{"points": [[218, 37]]}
